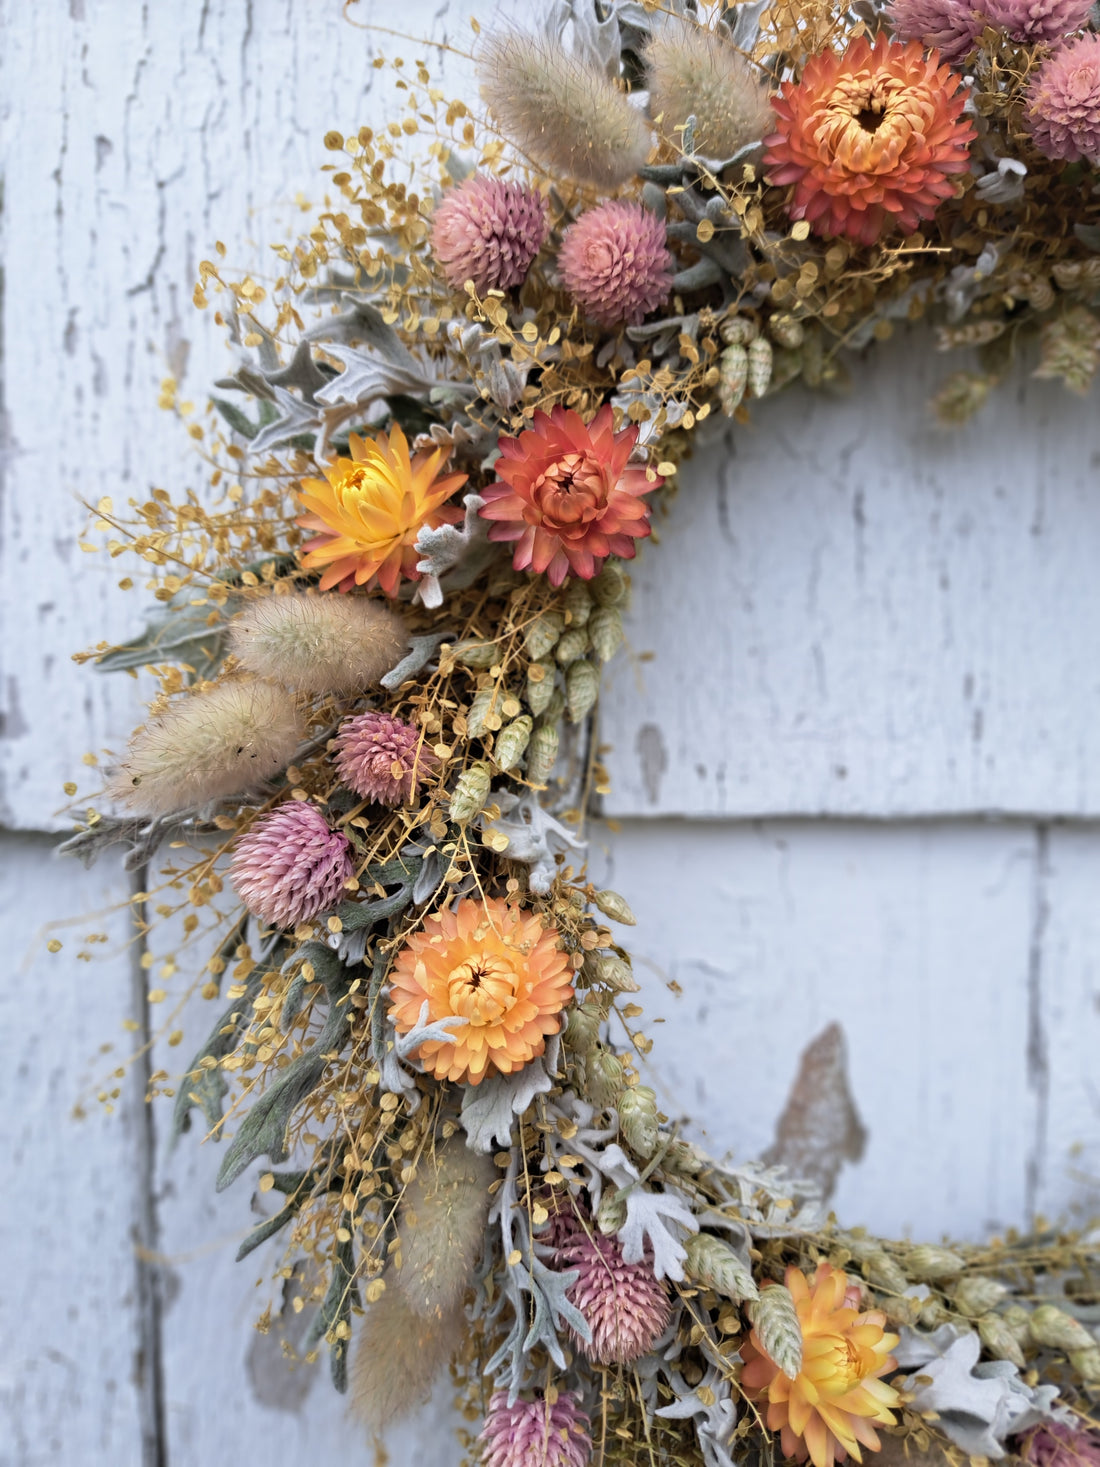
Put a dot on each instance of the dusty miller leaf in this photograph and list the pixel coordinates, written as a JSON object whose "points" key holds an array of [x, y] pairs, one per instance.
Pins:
{"points": [[646, 1214], [775, 1320], [489, 1109]]}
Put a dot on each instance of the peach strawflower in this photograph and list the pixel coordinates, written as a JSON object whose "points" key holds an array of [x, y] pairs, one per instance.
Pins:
{"points": [[497, 967], [566, 496], [828, 1409], [870, 139], [369, 510]]}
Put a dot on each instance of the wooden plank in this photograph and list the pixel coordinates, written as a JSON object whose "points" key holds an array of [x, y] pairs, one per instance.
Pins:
{"points": [[1064, 1037], [76, 1374], [916, 939], [852, 613]]}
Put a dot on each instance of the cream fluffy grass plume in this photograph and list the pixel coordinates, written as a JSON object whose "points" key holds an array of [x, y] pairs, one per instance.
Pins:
{"points": [[563, 113], [319, 644], [694, 72], [206, 746]]}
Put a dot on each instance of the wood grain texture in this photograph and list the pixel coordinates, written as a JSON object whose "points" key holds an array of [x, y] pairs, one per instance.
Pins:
{"points": [[854, 614], [76, 1374]]}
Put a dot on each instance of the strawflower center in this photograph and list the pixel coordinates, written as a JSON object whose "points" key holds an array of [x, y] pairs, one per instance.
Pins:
{"points": [[569, 493], [482, 989], [841, 1366]]}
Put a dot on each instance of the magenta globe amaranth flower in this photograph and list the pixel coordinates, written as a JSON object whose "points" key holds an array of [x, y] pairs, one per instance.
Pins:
{"points": [[290, 865], [488, 231], [615, 263], [535, 1433], [1031, 21], [381, 758], [1063, 102], [625, 1305], [1054, 1444], [950, 26]]}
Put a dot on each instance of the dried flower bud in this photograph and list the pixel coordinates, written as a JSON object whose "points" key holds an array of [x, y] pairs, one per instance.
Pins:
{"points": [[775, 1321], [511, 742], [555, 708], [1069, 346], [1057, 1330], [786, 331], [713, 1264], [485, 702], [733, 378], [999, 1340], [760, 366], [319, 644], [577, 601], [1086, 1363], [610, 586], [933, 1314], [540, 686], [976, 1296], [560, 110], [611, 1213], [605, 632], [582, 688], [471, 792], [881, 1271], [582, 1027], [739, 330], [572, 643], [612, 972], [605, 1078], [543, 633], [960, 397], [542, 753], [612, 905], [476, 654], [926, 1263], [638, 1119]]}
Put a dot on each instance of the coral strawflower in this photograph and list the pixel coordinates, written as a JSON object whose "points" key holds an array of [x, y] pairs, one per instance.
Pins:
{"points": [[369, 510], [828, 1409], [870, 139], [566, 495], [493, 965]]}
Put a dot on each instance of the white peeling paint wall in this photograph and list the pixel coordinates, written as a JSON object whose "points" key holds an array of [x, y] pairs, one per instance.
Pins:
{"points": [[867, 640]]}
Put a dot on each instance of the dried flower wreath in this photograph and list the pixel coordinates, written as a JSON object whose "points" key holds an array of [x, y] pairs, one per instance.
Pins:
{"points": [[379, 649]]}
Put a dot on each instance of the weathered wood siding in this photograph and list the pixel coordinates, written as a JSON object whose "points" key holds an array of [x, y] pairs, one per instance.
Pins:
{"points": [[867, 640]]}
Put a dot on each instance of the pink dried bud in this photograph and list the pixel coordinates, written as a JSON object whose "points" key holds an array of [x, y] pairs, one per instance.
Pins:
{"points": [[1063, 102], [535, 1434], [380, 757], [624, 1304], [289, 865], [614, 262], [488, 231], [1056, 1445], [950, 26], [1031, 21]]}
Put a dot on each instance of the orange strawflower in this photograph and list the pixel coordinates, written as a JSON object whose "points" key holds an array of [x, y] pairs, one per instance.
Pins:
{"points": [[870, 139], [826, 1411], [370, 508], [497, 967]]}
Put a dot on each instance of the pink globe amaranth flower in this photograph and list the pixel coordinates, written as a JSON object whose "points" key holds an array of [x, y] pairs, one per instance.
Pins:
{"points": [[950, 26], [535, 1434], [1030, 21], [290, 865], [381, 758], [566, 495], [615, 263], [624, 1304], [488, 231], [1063, 102], [1056, 1445]]}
